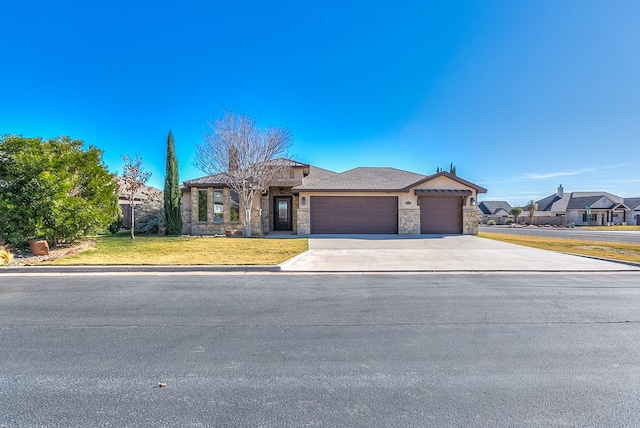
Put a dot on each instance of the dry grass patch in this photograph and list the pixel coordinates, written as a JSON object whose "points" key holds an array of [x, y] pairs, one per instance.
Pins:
{"points": [[606, 250], [611, 228], [165, 250]]}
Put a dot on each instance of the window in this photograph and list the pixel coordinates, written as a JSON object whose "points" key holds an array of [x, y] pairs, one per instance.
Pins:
{"points": [[218, 206], [234, 206], [202, 205], [292, 174]]}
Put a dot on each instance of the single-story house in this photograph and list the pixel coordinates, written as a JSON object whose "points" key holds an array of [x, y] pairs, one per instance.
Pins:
{"points": [[633, 215], [142, 195], [310, 200], [590, 208], [498, 211]]}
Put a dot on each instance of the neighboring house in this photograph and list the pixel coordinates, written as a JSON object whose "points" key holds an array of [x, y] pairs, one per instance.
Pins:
{"points": [[633, 216], [145, 193], [310, 200], [498, 211], [589, 208]]}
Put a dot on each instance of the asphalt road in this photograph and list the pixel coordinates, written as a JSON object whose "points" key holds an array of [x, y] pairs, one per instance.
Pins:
{"points": [[440, 350], [624, 236]]}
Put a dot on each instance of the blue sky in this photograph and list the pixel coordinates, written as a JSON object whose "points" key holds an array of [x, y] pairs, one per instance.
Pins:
{"points": [[521, 96]]}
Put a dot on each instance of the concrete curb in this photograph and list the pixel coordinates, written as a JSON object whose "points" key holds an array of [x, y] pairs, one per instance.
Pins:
{"points": [[135, 269]]}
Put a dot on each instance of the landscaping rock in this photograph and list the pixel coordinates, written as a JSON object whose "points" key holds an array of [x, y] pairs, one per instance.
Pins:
{"points": [[39, 247]]}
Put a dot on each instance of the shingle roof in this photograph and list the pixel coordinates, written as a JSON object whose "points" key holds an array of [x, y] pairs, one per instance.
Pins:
{"points": [[491, 207], [577, 201], [632, 203], [365, 179]]}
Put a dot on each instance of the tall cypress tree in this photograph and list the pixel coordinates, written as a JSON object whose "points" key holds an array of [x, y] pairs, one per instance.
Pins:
{"points": [[172, 215]]}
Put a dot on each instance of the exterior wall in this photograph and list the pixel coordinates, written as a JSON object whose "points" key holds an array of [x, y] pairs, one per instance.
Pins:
{"points": [[185, 211], [409, 221], [603, 218], [268, 207], [408, 209], [192, 226], [470, 218], [446, 183], [304, 221]]}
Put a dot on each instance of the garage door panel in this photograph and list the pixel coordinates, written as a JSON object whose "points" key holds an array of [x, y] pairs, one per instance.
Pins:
{"points": [[354, 214], [441, 215]]}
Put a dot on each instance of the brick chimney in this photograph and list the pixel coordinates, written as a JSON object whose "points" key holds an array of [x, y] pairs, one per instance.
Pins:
{"points": [[560, 192]]}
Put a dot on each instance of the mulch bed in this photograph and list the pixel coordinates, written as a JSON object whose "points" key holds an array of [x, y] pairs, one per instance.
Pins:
{"points": [[25, 258]]}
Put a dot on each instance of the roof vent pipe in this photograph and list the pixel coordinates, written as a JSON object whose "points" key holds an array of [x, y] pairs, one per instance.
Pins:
{"points": [[560, 191]]}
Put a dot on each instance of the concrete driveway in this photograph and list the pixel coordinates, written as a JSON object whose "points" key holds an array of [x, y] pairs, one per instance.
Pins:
{"points": [[431, 253]]}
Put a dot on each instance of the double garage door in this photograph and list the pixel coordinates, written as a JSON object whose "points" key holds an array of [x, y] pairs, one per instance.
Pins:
{"points": [[354, 214], [379, 214]]}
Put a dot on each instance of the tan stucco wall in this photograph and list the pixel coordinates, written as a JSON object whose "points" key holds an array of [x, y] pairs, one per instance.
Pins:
{"points": [[408, 208]]}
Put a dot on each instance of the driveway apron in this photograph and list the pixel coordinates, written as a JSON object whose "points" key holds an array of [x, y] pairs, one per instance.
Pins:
{"points": [[433, 253]]}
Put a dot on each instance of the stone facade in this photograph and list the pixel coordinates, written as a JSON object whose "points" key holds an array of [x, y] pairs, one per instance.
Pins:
{"points": [[470, 218], [303, 224], [409, 221]]}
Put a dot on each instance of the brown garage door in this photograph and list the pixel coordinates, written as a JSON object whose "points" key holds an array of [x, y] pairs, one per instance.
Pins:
{"points": [[354, 214], [439, 214]]}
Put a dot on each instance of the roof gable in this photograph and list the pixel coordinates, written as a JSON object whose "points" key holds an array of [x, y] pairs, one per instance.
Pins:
{"points": [[493, 207], [632, 203]]}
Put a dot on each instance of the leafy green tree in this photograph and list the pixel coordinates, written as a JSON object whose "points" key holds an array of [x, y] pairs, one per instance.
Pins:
{"points": [[172, 215], [53, 189], [515, 212]]}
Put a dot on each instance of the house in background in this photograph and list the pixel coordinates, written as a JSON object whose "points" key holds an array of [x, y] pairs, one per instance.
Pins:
{"points": [[310, 200], [589, 208], [498, 211], [633, 216], [142, 195]]}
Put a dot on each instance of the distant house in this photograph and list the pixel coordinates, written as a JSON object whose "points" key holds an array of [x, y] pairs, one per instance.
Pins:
{"points": [[590, 208], [144, 194], [633, 216], [309, 200], [498, 211]]}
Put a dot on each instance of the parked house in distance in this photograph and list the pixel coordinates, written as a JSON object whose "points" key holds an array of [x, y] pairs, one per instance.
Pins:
{"points": [[311, 200], [498, 211], [590, 208]]}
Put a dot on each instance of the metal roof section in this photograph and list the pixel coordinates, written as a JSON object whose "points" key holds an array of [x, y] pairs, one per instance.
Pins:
{"points": [[432, 192]]}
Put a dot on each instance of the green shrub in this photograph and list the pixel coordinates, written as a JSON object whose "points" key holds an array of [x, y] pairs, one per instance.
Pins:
{"points": [[491, 223], [508, 221]]}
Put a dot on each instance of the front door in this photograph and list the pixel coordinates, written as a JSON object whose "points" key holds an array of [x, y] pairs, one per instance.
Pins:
{"points": [[282, 213]]}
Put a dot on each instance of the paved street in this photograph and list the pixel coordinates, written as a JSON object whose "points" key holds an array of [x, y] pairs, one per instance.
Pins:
{"points": [[445, 350], [628, 236]]}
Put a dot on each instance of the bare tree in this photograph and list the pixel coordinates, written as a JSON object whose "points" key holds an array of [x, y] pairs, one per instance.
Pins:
{"points": [[134, 176], [244, 156]]}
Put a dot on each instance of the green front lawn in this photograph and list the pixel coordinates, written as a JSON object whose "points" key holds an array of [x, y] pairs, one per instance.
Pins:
{"points": [[178, 250]]}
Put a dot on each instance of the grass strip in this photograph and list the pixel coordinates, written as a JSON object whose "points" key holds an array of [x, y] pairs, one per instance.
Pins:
{"points": [[179, 250], [611, 228], [606, 250]]}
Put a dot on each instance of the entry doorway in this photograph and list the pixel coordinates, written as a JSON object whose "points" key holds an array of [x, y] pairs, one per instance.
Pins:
{"points": [[282, 213]]}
